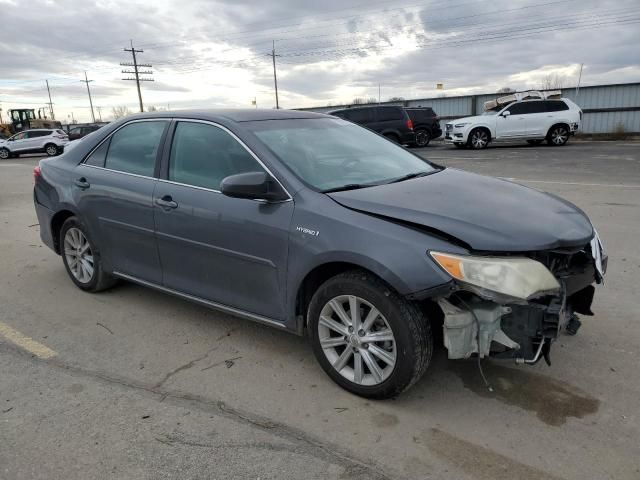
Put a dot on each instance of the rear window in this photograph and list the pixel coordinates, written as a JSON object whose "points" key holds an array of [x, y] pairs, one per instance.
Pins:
{"points": [[423, 114]]}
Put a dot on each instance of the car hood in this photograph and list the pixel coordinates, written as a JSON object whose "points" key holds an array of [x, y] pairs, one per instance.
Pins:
{"points": [[485, 213]]}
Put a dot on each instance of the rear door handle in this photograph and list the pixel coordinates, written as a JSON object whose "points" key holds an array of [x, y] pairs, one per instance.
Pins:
{"points": [[82, 183], [166, 202]]}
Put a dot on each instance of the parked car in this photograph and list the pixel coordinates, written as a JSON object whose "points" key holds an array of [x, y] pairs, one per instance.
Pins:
{"points": [[47, 141], [311, 224], [79, 132], [390, 121], [531, 120], [426, 125]]}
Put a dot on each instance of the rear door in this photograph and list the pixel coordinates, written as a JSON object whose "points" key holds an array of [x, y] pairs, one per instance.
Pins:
{"points": [[229, 251], [539, 119], [113, 189]]}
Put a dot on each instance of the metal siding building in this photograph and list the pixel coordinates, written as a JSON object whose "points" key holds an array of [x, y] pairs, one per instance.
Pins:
{"points": [[607, 108]]}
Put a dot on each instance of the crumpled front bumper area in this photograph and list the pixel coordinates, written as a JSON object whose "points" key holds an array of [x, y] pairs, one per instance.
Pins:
{"points": [[522, 330]]}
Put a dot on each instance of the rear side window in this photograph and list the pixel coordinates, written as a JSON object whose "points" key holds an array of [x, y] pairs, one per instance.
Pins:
{"points": [[386, 114], [133, 148], [203, 155], [555, 106], [98, 156], [40, 133], [61, 132], [360, 115]]}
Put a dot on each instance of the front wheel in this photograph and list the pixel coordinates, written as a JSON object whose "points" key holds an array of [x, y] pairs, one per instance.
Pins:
{"points": [[558, 135], [423, 137], [81, 257], [51, 150], [4, 153], [367, 338], [478, 138]]}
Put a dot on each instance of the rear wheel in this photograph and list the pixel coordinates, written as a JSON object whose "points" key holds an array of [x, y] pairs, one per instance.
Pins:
{"points": [[558, 135], [51, 149], [81, 257], [367, 338], [4, 153], [423, 137], [478, 139]]}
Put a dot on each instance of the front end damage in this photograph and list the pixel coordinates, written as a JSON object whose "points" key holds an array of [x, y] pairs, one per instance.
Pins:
{"points": [[484, 322]]}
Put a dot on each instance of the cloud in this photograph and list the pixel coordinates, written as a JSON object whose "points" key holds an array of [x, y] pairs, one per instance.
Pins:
{"points": [[216, 51]]}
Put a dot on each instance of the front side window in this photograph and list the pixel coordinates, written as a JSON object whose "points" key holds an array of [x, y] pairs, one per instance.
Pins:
{"points": [[329, 153], [134, 148], [520, 108], [203, 155]]}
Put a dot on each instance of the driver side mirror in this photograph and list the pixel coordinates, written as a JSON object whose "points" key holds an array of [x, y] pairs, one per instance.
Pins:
{"points": [[254, 186], [506, 114]]}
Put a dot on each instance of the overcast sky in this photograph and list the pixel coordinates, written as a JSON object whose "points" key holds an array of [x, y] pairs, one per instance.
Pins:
{"points": [[208, 53]]}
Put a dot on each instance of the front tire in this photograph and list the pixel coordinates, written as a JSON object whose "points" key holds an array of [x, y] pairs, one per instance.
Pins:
{"points": [[558, 135], [4, 154], [81, 257], [367, 338], [478, 139], [51, 150]]}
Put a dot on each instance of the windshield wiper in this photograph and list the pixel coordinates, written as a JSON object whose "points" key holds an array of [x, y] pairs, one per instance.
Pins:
{"points": [[409, 176], [349, 186]]}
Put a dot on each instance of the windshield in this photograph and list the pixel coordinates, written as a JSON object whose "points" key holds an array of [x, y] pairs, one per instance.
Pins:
{"points": [[332, 154]]}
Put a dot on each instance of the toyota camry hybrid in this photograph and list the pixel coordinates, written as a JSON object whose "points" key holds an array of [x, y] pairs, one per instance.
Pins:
{"points": [[314, 225]]}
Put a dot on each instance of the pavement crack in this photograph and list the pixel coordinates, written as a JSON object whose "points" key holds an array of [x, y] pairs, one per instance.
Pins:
{"points": [[306, 443], [181, 368]]}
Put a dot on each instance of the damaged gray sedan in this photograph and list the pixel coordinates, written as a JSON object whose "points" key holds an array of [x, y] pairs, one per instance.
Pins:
{"points": [[317, 226]]}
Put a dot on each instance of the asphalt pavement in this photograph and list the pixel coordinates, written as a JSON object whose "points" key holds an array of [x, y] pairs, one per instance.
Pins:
{"points": [[132, 383]]}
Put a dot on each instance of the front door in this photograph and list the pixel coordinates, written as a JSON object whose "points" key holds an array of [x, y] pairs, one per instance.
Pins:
{"points": [[226, 250], [113, 189], [513, 125]]}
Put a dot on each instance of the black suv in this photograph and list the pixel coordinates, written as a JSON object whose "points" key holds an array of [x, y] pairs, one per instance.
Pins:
{"points": [[79, 132], [391, 121], [426, 125]]}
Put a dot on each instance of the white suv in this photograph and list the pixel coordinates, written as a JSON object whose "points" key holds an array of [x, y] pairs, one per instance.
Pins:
{"points": [[530, 120], [49, 141]]}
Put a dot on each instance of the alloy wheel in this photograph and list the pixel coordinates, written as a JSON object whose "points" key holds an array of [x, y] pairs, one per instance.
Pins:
{"points": [[559, 136], [357, 340], [479, 139], [77, 252], [52, 150], [422, 138], [4, 153]]}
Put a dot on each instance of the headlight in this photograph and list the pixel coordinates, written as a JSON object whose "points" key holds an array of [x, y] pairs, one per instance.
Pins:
{"points": [[516, 277], [460, 125]]}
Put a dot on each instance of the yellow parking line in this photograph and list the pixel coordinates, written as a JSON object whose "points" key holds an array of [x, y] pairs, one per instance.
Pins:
{"points": [[29, 344]]}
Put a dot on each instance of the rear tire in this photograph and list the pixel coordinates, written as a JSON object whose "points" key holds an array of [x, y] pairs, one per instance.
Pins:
{"points": [[478, 139], [389, 348], [51, 149], [423, 137], [558, 135], [81, 257]]}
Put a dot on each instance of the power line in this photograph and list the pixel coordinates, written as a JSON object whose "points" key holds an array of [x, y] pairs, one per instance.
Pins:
{"points": [[87, 81], [137, 72]]}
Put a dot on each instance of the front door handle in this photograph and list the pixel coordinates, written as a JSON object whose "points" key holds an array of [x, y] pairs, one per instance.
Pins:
{"points": [[82, 183], [166, 202]]}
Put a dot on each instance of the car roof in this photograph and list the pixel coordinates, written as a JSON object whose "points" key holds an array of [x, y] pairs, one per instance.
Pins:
{"points": [[233, 114], [359, 107]]}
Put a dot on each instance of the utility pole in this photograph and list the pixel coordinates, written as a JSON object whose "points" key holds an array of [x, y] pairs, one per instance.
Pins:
{"points": [[87, 81], [136, 71], [99, 113], [53, 117], [378, 94], [275, 76], [579, 79]]}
